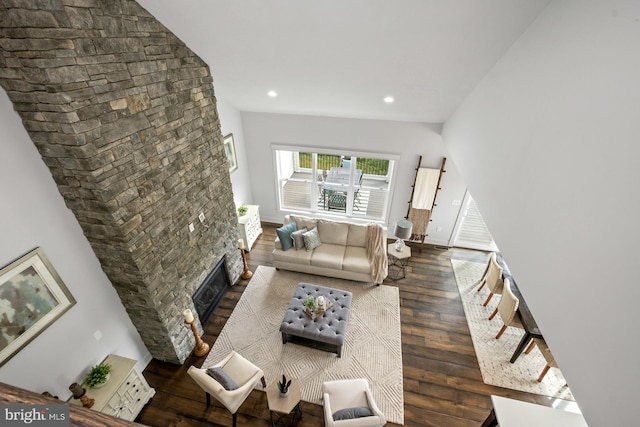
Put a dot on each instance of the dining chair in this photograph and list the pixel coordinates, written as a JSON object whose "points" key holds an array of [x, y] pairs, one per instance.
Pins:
{"points": [[546, 352], [507, 309], [492, 278], [337, 200], [321, 190], [356, 194]]}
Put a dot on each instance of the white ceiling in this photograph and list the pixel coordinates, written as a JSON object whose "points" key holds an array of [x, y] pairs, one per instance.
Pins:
{"points": [[342, 57]]}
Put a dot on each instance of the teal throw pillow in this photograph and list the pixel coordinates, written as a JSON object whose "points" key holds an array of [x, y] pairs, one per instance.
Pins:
{"points": [[284, 234], [312, 239]]}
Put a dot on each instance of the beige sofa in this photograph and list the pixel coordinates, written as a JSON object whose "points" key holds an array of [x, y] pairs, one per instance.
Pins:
{"points": [[342, 254]]}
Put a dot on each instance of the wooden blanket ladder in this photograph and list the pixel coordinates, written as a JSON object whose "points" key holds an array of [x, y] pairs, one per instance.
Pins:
{"points": [[420, 218]]}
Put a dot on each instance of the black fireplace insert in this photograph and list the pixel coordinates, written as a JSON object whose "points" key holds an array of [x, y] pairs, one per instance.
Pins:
{"points": [[212, 290]]}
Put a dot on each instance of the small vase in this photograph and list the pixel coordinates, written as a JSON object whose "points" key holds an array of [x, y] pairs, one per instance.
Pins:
{"points": [[285, 394]]}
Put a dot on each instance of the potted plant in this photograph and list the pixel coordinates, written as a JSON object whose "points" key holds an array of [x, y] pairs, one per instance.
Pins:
{"points": [[98, 375], [310, 304], [242, 209], [284, 386]]}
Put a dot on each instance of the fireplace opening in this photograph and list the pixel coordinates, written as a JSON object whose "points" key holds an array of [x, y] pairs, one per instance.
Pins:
{"points": [[211, 291]]}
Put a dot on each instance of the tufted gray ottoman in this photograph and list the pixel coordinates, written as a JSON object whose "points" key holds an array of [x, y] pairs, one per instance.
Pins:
{"points": [[328, 328]]}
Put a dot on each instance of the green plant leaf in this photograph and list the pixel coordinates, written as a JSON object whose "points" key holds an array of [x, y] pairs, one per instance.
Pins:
{"points": [[97, 375]]}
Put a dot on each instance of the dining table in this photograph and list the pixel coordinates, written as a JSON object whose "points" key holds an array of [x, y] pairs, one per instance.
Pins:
{"points": [[338, 179], [335, 187]]}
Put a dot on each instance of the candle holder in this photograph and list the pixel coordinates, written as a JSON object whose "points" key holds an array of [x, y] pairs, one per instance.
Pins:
{"points": [[80, 392], [246, 274], [202, 347]]}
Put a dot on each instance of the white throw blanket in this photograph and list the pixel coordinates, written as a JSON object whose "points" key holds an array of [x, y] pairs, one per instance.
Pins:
{"points": [[425, 188], [376, 252]]}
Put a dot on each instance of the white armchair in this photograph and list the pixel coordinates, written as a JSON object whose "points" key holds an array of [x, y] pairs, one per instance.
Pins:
{"points": [[352, 393], [244, 373]]}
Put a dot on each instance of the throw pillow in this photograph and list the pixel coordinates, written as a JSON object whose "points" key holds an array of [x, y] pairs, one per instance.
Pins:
{"points": [[333, 232], [223, 378], [298, 238], [350, 413], [304, 221], [284, 234], [311, 239]]}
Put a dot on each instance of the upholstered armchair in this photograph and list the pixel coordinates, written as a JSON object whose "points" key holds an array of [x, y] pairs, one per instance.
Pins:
{"points": [[350, 399], [243, 374], [492, 278], [507, 309]]}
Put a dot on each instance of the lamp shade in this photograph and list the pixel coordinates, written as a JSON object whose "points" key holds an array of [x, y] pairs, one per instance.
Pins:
{"points": [[403, 229]]}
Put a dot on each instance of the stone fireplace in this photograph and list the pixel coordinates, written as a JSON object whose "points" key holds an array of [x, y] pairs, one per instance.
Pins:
{"points": [[124, 115]]}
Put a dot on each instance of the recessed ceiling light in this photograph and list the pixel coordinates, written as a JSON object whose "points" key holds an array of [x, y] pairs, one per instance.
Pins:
{"points": [[388, 99], [272, 93]]}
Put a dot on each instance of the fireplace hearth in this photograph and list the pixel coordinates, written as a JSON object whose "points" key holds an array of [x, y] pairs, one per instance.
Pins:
{"points": [[212, 290]]}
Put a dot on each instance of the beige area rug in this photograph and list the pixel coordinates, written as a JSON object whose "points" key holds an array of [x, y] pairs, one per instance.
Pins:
{"points": [[493, 355], [372, 347]]}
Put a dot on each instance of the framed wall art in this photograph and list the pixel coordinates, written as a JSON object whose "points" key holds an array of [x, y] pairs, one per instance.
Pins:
{"points": [[32, 297], [230, 152]]}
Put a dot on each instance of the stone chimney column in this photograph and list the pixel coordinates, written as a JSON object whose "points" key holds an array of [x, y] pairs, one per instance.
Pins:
{"points": [[124, 115]]}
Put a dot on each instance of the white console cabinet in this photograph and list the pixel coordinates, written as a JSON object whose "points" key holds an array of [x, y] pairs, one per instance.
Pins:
{"points": [[125, 393], [250, 225]]}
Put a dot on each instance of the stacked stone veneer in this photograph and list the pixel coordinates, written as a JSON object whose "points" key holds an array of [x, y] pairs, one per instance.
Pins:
{"points": [[124, 116]]}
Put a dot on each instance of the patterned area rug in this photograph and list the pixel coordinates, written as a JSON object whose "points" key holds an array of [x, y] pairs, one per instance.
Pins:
{"points": [[372, 347], [493, 355]]}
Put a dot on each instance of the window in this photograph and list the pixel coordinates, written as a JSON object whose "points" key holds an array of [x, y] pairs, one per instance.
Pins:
{"points": [[356, 185]]}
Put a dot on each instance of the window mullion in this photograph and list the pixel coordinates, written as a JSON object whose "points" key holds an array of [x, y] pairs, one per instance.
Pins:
{"points": [[314, 182], [351, 185]]}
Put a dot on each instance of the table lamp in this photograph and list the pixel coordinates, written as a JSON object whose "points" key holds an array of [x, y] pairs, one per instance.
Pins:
{"points": [[402, 232]]}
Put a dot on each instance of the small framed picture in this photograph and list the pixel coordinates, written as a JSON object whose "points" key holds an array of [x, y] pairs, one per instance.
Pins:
{"points": [[32, 297], [230, 152]]}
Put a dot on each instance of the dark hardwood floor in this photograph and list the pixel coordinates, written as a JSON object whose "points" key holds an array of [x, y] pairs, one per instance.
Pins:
{"points": [[442, 382]]}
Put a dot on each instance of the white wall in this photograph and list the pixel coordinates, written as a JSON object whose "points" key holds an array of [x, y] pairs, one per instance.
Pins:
{"points": [[33, 214], [231, 122], [549, 144], [407, 139]]}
